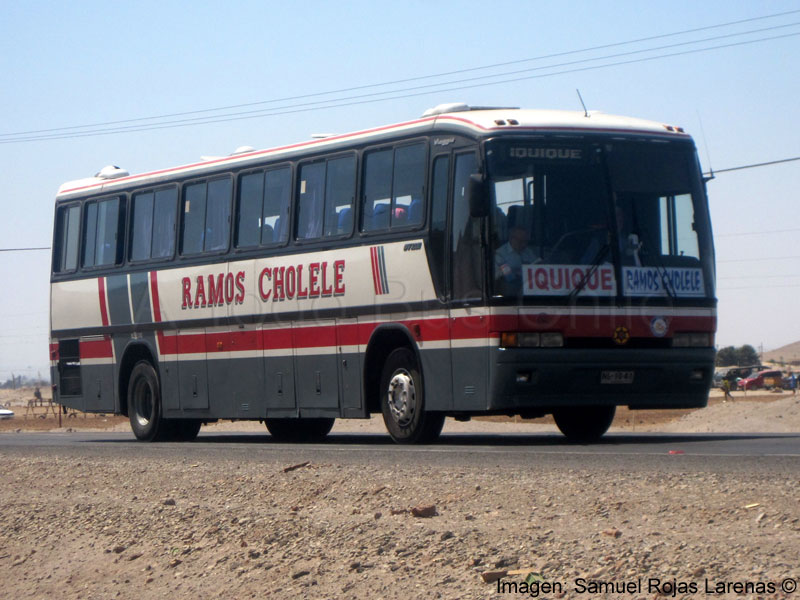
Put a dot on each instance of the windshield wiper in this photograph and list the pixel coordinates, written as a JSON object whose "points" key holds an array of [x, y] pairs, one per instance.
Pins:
{"points": [[598, 259], [662, 270]]}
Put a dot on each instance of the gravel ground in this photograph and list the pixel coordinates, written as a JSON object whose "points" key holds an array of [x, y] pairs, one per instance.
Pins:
{"points": [[156, 527]]}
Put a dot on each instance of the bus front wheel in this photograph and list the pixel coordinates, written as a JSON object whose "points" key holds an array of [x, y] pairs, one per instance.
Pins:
{"points": [[584, 424], [144, 404], [403, 401]]}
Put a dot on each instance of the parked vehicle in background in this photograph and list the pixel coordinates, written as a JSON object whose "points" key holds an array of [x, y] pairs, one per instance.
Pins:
{"points": [[6, 413], [719, 377], [762, 379], [786, 382], [734, 374]]}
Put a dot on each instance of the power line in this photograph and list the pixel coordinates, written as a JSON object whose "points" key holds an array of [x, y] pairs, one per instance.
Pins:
{"points": [[313, 106], [712, 172], [770, 232], [760, 277], [370, 98], [757, 287], [24, 249], [758, 259], [424, 77]]}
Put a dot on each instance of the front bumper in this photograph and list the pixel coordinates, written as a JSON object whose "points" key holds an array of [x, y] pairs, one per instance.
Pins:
{"points": [[662, 378]]}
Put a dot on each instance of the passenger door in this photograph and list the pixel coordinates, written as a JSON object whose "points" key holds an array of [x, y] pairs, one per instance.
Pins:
{"points": [[468, 318]]}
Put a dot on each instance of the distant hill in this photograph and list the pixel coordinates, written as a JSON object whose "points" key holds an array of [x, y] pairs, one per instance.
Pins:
{"points": [[790, 353]]}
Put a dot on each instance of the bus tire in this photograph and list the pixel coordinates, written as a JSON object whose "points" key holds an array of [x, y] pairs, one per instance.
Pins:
{"points": [[584, 424], [403, 401], [300, 430], [144, 404], [184, 430]]}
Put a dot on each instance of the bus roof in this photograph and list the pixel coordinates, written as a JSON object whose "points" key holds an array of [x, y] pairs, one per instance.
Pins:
{"points": [[449, 118]]}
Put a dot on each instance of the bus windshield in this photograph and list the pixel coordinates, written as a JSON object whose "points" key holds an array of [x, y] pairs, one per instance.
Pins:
{"points": [[598, 219]]}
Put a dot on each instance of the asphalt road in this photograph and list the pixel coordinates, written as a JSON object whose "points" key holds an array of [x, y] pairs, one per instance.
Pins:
{"points": [[740, 453]]}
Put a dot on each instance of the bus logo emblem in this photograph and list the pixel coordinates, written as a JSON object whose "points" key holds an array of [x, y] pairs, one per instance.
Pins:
{"points": [[621, 335], [379, 279]]}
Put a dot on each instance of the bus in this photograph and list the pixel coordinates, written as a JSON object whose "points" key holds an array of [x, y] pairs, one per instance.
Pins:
{"points": [[474, 261]]}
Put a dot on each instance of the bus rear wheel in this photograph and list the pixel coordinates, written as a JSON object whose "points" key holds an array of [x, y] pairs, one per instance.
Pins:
{"points": [[300, 430], [584, 424], [403, 401], [144, 404]]}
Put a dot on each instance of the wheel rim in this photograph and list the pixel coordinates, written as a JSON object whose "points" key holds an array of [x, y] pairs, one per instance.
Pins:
{"points": [[143, 403], [402, 398]]}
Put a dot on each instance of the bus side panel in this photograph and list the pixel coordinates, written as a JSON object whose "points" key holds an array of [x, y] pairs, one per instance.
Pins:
{"points": [[470, 354], [192, 370], [97, 374], [170, 391], [437, 375], [246, 379], [278, 392], [98, 388], [316, 366], [349, 362]]}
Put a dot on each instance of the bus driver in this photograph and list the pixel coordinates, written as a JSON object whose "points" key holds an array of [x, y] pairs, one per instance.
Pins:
{"points": [[508, 261]]}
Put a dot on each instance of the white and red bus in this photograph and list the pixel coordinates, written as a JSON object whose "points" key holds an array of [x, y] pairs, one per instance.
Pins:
{"points": [[474, 261]]}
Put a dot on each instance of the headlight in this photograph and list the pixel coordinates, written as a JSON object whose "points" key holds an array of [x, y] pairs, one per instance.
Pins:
{"points": [[552, 340], [513, 339]]}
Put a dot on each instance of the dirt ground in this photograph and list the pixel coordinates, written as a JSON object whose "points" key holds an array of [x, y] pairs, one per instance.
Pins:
{"points": [[158, 527]]}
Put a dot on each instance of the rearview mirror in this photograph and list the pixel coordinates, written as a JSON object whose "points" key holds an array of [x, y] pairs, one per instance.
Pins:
{"points": [[477, 195]]}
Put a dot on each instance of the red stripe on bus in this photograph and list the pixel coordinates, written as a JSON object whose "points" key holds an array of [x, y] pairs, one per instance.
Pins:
{"points": [[373, 254], [167, 344], [154, 294], [276, 339], [96, 348], [599, 325], [164, 346], [423, 330], [101, 290]]}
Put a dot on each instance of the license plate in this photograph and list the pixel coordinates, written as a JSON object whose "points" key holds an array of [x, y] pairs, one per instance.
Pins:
{"points": [[616, 377]]}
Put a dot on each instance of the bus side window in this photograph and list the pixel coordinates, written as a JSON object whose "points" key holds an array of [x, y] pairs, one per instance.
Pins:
{"points": [[206, 216], [377, 190], [89, 233], [277, 195], [65, 256], [310, 201], [153, 224], [164, 212], [101, 235], [141, 226], [218, 214], [249, 207], [437, 249], [466, 266], [408, 185], [193, 219], [340, 190]]}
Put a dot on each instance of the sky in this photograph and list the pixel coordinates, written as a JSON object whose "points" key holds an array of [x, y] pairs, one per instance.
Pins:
{"points": [[72, 65]]}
